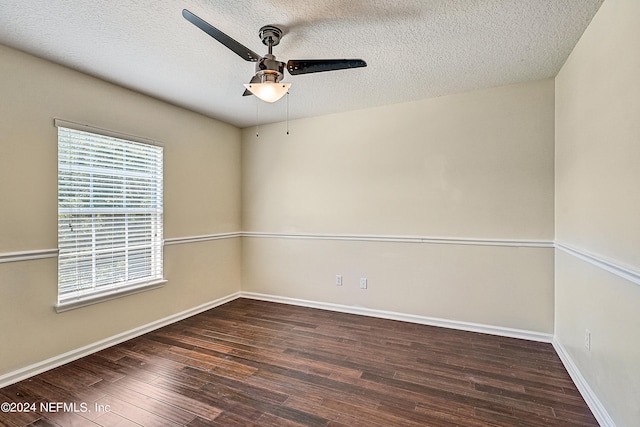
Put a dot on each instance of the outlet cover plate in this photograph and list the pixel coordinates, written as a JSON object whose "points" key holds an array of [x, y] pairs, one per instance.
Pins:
{"points": [[587, 339]]}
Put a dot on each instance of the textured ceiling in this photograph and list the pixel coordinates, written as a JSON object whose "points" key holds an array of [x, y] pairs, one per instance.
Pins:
{"points": [[414, 49]]}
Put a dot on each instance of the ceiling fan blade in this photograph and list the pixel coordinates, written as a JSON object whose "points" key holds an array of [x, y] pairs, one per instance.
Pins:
{"points": [[241, 50], [254, 79], [306, 66]]}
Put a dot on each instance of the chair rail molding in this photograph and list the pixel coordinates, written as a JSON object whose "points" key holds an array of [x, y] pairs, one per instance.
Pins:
{"points": [[601, 262], [28, 255], [404, 239]]}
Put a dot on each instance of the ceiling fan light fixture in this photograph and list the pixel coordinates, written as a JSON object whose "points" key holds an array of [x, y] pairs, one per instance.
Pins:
{"points": [[268, 92], [269, 71]]}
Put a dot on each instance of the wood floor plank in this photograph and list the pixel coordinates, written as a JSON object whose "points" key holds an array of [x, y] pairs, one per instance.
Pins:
{"points": [[253, 363], [176, 414], [335, 416], [133, 412], [111, 419], [68, 419]]}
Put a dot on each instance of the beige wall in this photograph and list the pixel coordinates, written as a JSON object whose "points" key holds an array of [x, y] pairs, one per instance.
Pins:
{"points": [[472, 166], [502, 287], [477, 165], [598, 205], [202, 196]]}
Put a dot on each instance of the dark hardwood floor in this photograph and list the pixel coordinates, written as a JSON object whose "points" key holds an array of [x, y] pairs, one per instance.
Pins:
{"points": [[252, 363]]}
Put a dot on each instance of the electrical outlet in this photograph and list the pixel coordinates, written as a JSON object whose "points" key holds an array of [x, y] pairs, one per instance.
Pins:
{"points": [[338, 280], [363, 283], [587, 339]]}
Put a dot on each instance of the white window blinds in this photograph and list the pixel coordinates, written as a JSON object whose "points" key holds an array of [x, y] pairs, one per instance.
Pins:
{"points": [[109, 214]]}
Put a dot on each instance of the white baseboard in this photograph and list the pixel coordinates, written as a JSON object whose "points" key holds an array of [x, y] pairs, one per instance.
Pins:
{"points": [[597, 408], [591, 399], [45, 365], [412, 318]]}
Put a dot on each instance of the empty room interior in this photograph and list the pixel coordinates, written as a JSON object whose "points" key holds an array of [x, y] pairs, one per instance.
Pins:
{"points": [[472, 170]]}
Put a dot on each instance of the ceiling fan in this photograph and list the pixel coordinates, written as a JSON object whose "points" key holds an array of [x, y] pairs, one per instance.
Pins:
{"points": [[265, 84]]}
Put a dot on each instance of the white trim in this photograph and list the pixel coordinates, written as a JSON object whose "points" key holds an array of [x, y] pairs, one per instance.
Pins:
{"points": [[203, 238], [54, 362], [601, 262], [348, 237], [405, 239], [490, 242], [412, 318], [590, 397], [59, 123], [593, 259], [28, 255], [83, 301], [53, 253]]}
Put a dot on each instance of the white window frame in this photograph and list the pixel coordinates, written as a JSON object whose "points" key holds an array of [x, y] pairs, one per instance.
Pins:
{"points": [[135, 247]]}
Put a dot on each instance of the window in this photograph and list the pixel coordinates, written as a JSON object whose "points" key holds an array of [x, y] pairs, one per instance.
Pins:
{"points": [[109, 215]]}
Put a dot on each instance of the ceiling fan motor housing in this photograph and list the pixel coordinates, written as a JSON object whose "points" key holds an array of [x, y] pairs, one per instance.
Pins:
{"points": [[269, 69]]}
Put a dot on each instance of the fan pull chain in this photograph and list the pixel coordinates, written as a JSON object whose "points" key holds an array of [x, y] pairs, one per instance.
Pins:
{"points": [[287, 112], [257, 126]]}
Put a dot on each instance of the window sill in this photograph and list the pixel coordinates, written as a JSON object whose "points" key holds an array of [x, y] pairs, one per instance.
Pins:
{"points": [[72, 304]]}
